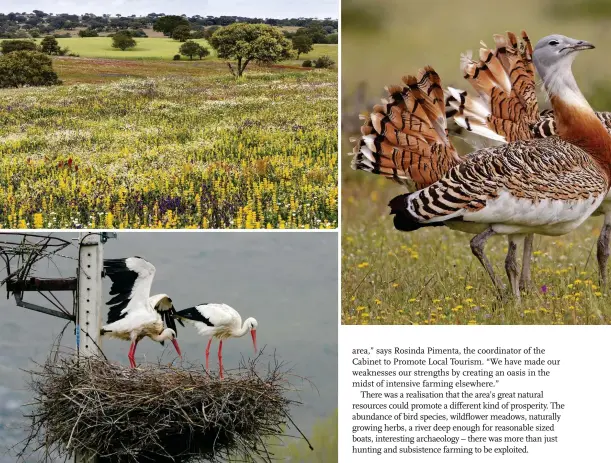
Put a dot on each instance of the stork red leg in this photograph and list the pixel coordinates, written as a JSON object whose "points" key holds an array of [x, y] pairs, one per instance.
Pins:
{"points": [[130, 356], [132, 353], [208, 353], [221, 358]]}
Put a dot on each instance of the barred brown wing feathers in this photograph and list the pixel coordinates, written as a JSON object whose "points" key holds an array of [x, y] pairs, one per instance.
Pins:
{"points": [[535, 170], [504, 81], [546, 127], [405, 138], [605, 118]]}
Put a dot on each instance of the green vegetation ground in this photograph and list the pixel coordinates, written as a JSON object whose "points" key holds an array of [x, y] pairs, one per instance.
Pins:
{"points": [[430, 276], [146, 48], [160, 49], [151, 143]]}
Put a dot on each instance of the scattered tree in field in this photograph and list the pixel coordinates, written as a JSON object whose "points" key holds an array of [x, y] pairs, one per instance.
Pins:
{"points": [[137, 33], [191, 49], [198, 34], [123, 41], [316, 32], [307, 63], [302, 44], [182, 33], [176, 58], [203, 52], [250, 42], [31, 68], [88, 33], [50, 46], [324, 62], [167, 24], [9, 46]]}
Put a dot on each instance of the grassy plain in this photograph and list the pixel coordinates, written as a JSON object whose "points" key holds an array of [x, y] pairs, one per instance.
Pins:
{"points": [[146, 48], [155, 144], [160, 48], [430, 276]]}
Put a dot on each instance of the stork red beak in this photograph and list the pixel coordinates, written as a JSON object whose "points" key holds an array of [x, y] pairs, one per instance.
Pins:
{"points": [[253, 333], [175, 342]]}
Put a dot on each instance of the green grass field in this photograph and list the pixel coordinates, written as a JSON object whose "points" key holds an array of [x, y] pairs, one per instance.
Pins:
{"points": [[146, 48], [161, 49], [430, 276]]}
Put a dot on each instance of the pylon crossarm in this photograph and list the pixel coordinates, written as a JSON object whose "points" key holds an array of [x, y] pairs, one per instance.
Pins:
{"points": [[42, 284], [38, 308]]}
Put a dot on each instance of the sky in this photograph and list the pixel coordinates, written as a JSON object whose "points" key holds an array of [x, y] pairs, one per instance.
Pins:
{"points": [[247, 8], [287, 281]]}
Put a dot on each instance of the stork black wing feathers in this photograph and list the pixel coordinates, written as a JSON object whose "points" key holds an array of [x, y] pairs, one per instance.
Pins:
{"points": [[169, 321], [123, 280], [122, 277], [193, 314]]}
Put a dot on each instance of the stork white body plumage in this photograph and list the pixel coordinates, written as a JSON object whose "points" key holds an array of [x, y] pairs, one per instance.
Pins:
{"points": [[219, 321], [134, 314]]}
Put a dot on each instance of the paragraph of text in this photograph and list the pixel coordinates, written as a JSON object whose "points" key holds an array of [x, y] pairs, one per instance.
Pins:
{"points": [[428, 400]]}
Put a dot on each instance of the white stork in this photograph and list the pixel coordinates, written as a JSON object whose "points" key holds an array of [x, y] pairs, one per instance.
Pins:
{"points": [[219, 321], [133, 314]]}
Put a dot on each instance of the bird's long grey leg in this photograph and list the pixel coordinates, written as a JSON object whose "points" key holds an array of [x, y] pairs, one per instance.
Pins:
{"points": [[525, 279], [477, 247], [511, 266], [602, 252]]}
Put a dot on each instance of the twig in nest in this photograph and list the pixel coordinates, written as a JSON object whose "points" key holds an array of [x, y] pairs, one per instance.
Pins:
{"points": [[157, 413]]}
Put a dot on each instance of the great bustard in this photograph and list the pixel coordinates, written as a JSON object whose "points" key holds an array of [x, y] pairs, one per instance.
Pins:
{"points": [[547, 186], [509, 116]]}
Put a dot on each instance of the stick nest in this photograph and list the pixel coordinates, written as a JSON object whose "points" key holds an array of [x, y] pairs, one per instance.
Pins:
{"points": [[155, 412]]}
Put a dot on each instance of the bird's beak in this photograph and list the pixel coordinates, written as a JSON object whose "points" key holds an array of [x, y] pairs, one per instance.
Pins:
{"points": [[177, 347], [180, 321], [582, 45], [253, 333]]}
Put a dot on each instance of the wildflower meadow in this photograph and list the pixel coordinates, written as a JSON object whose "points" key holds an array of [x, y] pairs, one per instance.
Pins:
{"points": [[430, 276], [194, 149]]}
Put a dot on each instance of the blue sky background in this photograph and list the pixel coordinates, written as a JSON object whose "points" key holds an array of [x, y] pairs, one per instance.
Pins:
{"points": [[248, 8]]}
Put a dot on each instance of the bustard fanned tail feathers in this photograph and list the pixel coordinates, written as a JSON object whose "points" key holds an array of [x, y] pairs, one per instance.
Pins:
{"points": [[505, 107], [405, 138]]}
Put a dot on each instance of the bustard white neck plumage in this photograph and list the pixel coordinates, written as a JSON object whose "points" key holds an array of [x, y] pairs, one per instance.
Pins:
{"points": [[133, 313], [219, 321]]}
